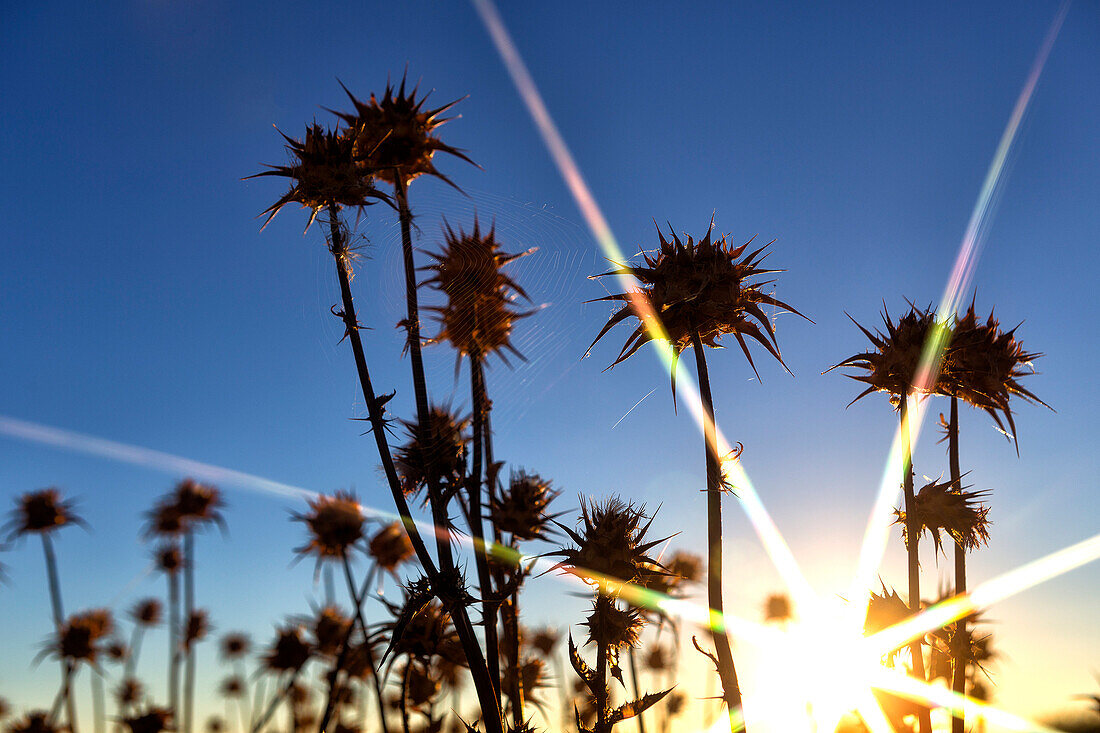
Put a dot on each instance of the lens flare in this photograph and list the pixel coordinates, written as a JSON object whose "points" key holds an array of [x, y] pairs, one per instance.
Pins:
{"points": [[878, 525], [761, 521]]}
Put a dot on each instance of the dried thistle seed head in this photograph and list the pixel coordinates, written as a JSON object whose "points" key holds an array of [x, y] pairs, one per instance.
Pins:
{"points": [[324, 173], [37, 721], [168, 559], [79, 637], [197, 503], [164, 520], [391, 547], [938, 507], [195, 628], [892, 365], [289, 652], [215, 724], [41, 512], [777, 607], [235, 645], [985, 366], [129, 692], [531, 677], [395, 135], [885, 610], [360, 659], [335, 523], [545, 639], [153, 720], [658, 659], [232, 687], [708, 287], [521, 508], [116, 651], [611, 626], [330, 627], [146, 612], [609, 543], [435, 455], [685, 565], [421, 635], [422, 687], [676, 703], [477, 317]]}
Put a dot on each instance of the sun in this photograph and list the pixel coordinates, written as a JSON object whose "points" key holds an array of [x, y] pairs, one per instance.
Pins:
{"points": [[814, 671]]}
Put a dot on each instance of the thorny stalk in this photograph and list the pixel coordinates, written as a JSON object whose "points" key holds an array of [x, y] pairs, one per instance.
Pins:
{"points": [[961, 636], [59, 622], [489, 601], [912, 529]]}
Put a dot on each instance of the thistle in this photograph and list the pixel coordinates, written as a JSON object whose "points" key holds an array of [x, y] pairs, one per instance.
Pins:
{"points": [[335, 524], [609, 546], [390, 547], [939, 507], [435, 453], [777, 608], [521, 508], [693, 294], [324, 174]]}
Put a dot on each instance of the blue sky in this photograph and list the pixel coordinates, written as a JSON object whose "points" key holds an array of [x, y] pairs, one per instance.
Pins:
{"points": [[141, 303]]}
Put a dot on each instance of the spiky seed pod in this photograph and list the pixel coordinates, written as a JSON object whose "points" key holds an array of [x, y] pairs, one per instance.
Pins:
{"points": [[129, 692], [521, 509], [391, 547], [198, 503], [422, 687], [324, 172], [168, 559], [232, 687], [164, 520], [359, 661], [544, 640], [79, 637], [215, 724], [885, 610], [289, 652], [423, 635], [116, 651], [937, 508], [613, 627], [335, 523], [777, 607], [532, 678], [330, 628], [658, 659], [235, 645], [37, 721], [685, 565], [892, 366], [153, 720], [708, 287], [195, 628], [438, 456], [299, 695], [676, 703], [985, 366], [477, 318], [41, 512], [395, 136], [609, 543], [147, 612]]}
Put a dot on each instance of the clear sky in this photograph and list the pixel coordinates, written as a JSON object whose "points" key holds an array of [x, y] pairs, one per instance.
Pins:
{"points": [[139, 301]]}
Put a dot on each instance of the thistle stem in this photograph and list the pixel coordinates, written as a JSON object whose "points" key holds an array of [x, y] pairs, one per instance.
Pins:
{"points": [[99, 703], [189, 608], [173, 642], [259, 724], [731, 690], [961, 637], [912, 529], [420, 385], [481, 554], [635, 685], [463, 627], [59, 623], [512, 630], [601, 692], [405, 695]]}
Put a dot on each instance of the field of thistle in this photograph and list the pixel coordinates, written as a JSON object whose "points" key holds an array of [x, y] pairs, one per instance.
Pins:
{"points": [[504, 544]]}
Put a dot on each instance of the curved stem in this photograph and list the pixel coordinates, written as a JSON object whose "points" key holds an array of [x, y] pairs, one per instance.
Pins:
{"points": [[731, 690], [481, 555], [59, 623], [405, 695], [478, 669], [912, 530], [962, 637]]}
